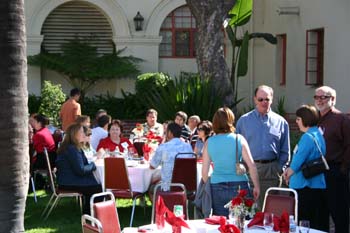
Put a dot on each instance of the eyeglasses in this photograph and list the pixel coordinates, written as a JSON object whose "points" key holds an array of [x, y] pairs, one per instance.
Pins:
{"points": [[321, 97], [200, 129], [262, 99]]}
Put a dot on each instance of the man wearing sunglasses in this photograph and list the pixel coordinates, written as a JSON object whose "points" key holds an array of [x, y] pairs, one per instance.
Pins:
{"points": [[267, 134], [336, 131]]}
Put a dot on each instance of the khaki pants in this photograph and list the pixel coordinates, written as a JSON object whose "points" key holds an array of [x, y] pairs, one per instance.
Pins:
{"points": [[269, 176]]}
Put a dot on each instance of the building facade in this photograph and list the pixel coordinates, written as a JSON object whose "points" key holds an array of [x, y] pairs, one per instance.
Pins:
{"points": [[311, 50]]}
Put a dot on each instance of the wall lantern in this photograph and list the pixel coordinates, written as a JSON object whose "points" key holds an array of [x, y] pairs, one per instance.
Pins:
{"points": [[138, 20]]}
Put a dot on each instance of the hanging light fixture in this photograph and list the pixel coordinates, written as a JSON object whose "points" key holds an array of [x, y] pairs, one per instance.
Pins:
{"points": [[138, 20]]}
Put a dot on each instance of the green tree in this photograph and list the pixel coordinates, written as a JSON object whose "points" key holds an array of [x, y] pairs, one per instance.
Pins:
{"points": [[209, 15], [14, 159], [240, 15], [83, 67], [52, 97]]}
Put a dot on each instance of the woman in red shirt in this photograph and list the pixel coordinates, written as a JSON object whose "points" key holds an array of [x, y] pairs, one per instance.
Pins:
{"points": [[42, 138], [115, 138]]}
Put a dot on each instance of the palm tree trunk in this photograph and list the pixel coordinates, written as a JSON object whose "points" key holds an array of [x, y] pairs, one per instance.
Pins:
{"points": [[209, 15], [14, 159]]}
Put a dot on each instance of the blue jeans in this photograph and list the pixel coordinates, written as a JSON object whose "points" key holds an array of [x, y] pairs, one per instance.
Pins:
{"points": [[223, 192]]}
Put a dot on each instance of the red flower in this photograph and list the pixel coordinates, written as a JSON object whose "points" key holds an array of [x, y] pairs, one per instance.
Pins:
{"points": [[248, 202], [242, 193], [236, 201]]}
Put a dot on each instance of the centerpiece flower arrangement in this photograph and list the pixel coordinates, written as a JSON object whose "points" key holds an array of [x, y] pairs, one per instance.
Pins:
{"points": [[138, 131], [151, 144], [240, 207]]}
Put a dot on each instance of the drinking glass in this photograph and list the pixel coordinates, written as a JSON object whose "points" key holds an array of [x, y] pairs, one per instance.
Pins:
{"points": [[268, 221], [304, 226]]}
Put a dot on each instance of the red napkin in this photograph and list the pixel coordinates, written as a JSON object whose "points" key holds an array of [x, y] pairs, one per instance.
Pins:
{"points": [[175, 222], [161, 209], [163, 213], [281, 224], [257, 220], [214, 219], [227, 228], [146, 151]]}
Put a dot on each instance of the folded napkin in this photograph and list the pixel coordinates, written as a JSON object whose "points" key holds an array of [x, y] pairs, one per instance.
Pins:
{"points": [[175, 222], [163, 213], [227, 228], [257, 220], [281, 224], [161, 209], [146, 151], [214, 219]]}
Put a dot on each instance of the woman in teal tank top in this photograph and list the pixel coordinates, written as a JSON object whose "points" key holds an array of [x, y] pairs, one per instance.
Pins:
{"points": [[221, 151]]}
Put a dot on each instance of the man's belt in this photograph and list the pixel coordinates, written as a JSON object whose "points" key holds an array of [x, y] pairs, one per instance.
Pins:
{"points": [[265, 161]]}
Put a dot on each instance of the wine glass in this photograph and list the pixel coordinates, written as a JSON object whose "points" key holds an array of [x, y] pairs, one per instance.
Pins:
{"points": [[304, 226], [268, 221]]}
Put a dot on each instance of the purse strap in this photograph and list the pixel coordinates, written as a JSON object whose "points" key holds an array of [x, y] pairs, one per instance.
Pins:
{"points": [[237, 159], [318, 147]]}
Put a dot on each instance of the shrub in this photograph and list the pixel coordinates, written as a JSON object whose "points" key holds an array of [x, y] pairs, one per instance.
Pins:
{"points": [[52, 97], [188, 93], [118, 108], [33, 103]]}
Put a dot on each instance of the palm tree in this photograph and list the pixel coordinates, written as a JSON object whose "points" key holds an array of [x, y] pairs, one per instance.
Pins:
{"points": [[14, 159]]}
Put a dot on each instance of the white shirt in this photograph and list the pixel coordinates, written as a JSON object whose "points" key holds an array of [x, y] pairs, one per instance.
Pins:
{"points": [[97, 134]]}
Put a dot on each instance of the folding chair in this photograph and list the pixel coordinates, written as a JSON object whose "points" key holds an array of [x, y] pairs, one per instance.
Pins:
{"points": [[185, 172], [57, 193], [170, 198], [34, 174], [117, 181], [106, 212], [278, 200], [94, 225]]}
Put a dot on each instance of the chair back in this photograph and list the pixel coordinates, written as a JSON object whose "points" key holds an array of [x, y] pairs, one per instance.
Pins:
{"points": [[185, 171], [170, 198], [116, 174], [106, 212], [278, 200], [94, 226], [138, 146], [50, 174]]}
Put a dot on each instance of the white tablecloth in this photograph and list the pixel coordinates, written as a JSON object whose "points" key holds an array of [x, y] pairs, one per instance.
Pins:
{"points": [[139, 175], [199, 226]]}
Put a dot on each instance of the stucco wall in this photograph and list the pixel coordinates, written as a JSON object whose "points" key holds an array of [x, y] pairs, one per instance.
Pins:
{"points": [[334, 18]]}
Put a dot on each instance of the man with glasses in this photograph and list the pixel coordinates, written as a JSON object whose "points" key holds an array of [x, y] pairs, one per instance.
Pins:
{"points": [[267, 134], [336, 131]]}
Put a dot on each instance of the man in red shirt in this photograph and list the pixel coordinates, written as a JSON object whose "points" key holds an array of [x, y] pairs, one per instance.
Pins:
{"points": [[70, 110]]}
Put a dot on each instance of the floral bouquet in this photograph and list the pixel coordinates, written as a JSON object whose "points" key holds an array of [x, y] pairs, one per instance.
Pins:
{"points": [[138, 131], [151, 144], [241, 205]]}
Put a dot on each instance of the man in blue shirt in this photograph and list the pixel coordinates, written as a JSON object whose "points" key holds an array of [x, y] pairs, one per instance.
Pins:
{"points": [[166, 152], [267, 134]]}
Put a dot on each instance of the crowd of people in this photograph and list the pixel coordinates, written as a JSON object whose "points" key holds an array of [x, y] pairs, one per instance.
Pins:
{"points": [[260, 138]]}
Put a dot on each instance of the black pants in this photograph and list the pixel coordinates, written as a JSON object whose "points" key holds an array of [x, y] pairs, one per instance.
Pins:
{"points": [[312, 206], [87, 192], [338, 198]]}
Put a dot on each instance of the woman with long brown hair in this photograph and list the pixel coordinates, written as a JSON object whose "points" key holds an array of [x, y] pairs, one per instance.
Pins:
{"points": [[74, 173], [221, 149]]}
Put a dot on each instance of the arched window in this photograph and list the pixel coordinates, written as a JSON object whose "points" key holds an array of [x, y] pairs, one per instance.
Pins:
{"points": [[178, 34]]}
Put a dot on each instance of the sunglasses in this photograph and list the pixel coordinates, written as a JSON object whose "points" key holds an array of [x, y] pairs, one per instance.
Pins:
{"points": [[321, 97], [262, 99], [200, 129]]}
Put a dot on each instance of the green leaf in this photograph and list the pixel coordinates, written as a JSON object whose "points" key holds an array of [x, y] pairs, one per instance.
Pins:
{"points": [[241, 12], [242, 68]]}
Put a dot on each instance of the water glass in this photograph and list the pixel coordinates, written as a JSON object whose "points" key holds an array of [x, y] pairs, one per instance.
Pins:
{"points": [[268, 221], [304, 226]]}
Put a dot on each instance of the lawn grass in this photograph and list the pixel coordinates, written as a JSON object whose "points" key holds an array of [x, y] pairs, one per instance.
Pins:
{"points": [[66, 216]]}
